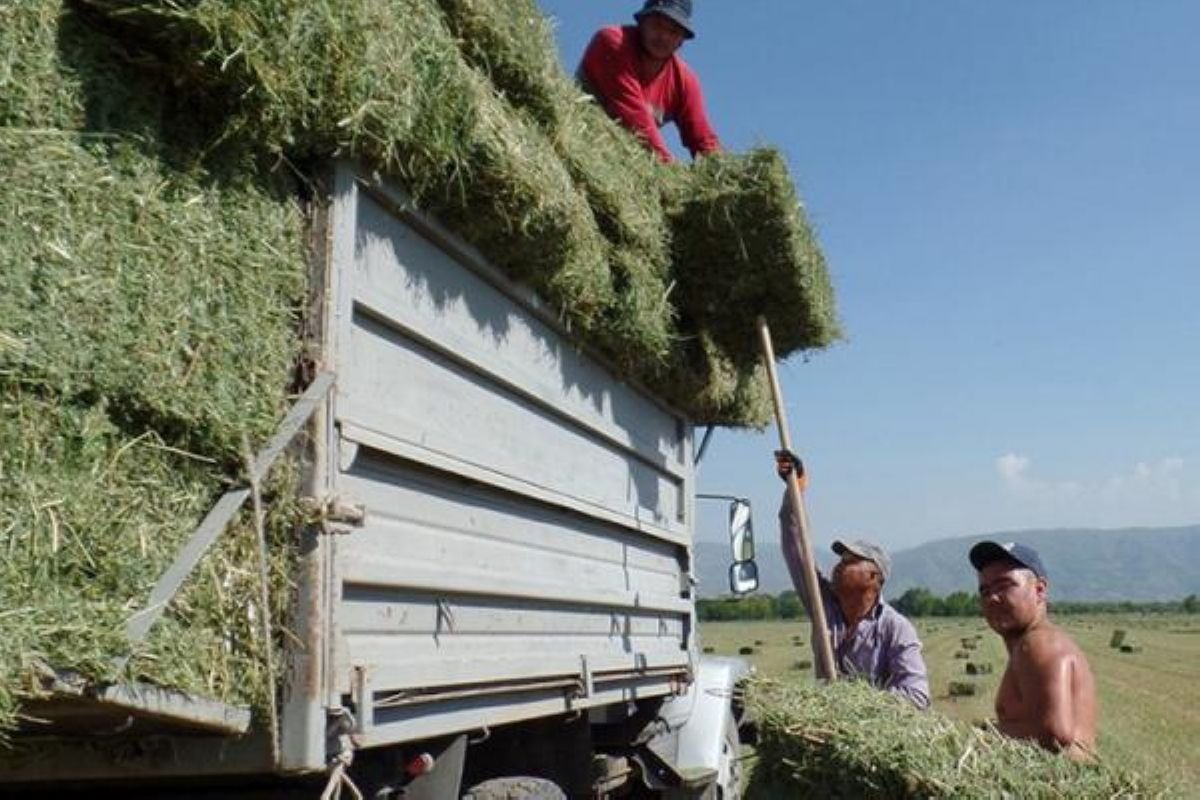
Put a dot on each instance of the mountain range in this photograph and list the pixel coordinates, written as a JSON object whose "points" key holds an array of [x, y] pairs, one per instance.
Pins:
{"points": [[1139, 564]]}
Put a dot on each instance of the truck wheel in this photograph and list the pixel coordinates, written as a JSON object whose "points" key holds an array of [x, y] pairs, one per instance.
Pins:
{"points": [[515, 789]]}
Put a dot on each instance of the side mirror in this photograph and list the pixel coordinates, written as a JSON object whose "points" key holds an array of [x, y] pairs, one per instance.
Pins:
{"points": [[743, 577], [741, 531], [743, 573]]}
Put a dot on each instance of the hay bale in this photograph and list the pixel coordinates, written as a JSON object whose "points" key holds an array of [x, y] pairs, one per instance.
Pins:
{"points": [[962, 689], [148, 317], [847, 739], [708, 650], [743, 246], [970, 643], [513, 42], [1117, 638], [546, 186], [979, 668], [1131, 648], [962, 654], [745, 650], [487, 132], [802, 664]]}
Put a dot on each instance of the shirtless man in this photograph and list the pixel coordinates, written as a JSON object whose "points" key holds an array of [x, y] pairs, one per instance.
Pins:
{"points": [[1047, 694]]}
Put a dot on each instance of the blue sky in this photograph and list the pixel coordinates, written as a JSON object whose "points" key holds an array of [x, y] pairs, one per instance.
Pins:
{"points": [[1008, 194]]}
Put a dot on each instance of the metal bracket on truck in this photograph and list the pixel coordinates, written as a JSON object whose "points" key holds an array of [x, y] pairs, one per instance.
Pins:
{"points": [[696, 745]]}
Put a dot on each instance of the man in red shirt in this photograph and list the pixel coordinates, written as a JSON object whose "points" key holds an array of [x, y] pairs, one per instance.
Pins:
{"points": [[637, 74]]}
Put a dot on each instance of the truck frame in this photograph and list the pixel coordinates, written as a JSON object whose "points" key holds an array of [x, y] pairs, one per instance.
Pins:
{"points": [[499, 593]]}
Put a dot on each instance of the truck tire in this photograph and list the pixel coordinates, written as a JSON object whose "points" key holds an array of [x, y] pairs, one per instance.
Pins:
{"points": [[515, 789]]}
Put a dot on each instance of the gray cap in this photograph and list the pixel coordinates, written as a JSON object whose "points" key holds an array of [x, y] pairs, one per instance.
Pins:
{"points": [[868, 550]]}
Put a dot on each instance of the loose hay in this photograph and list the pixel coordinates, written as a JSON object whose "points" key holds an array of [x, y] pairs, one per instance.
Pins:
{"points": [[846, 740]]}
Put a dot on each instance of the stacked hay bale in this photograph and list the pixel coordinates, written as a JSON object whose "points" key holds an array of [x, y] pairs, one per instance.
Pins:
{"points": [[847, 739], [147, 323], [496, 140], [152, 269]]}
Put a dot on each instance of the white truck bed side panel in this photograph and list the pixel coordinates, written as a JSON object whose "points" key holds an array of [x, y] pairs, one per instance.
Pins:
{"points": [[527, 533]]}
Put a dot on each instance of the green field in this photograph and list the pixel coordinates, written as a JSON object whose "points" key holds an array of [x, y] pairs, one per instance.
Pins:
{"points": [[1150, 701]]}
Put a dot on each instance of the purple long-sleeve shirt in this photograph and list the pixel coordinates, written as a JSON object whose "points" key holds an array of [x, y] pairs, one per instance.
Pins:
{"points": [[883, 648]]}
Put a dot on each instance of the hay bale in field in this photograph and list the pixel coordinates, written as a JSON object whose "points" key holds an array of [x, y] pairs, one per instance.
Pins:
{"points": [[962, 689], [802, 664], [759, 642], [979, 668], [745, 650], [847, 739], [962, 654], [1117, 638], [970, 643], [1131, 648], [709, 650]]}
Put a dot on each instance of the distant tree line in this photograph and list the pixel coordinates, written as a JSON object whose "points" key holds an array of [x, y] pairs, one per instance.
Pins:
{"points": [[920, 602]]}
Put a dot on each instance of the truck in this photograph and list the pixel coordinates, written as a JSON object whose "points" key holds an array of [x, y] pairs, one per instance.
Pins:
{"points": [[497, 596]]}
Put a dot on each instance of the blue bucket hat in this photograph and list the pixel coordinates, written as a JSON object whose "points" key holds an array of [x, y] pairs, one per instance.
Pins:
{"points": [[679, 11]]}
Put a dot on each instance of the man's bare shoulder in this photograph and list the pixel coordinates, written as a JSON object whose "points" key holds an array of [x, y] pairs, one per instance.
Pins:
{"points": [[1048, 645]]}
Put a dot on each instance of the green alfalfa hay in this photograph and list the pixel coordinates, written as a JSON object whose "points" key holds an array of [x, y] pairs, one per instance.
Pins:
{"points": [[513, 44], [383, 81], [743, 247], [172, 299], [531, 233], [512, 41], [849, 740], [91, 516], [521, 208], [147, 323], [703, 378]]}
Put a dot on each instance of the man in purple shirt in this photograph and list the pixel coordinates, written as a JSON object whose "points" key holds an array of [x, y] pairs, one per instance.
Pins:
{"points": [[871, 640]]}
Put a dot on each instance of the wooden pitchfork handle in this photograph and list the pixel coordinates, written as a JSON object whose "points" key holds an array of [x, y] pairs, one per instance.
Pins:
{"points": [[816, 605]]}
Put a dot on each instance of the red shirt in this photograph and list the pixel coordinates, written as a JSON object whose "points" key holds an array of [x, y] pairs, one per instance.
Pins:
{"points": [[610, 70]]}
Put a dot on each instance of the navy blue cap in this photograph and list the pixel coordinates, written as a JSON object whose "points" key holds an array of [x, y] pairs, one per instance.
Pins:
{"points": [[986, 553], [679, 11]]}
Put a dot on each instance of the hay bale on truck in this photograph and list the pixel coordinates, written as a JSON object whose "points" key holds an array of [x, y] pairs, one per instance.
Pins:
{"points": [[847, 739], [298, 301]]}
